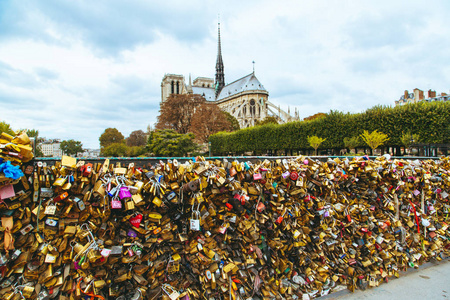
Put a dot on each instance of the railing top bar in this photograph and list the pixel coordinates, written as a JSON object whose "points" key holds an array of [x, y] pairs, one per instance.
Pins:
{"points": [[233, 157]]}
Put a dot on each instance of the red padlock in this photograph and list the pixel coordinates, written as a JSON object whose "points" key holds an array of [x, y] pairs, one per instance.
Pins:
{"points": [[87, 170], [61, 197], [294, 175], [260, 207]]}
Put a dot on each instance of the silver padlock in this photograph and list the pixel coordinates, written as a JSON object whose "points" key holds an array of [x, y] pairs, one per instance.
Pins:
{"points": [[79, 203]]}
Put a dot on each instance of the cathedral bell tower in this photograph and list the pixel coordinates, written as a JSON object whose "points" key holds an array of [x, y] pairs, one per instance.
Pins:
{"points": [[220, 76]]}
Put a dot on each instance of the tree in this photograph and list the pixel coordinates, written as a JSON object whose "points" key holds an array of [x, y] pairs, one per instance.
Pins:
{"points": [[315, 116], [71, 147], [136, 138], [374, 139], [5, 127], [110, 136], [233, 121], [407, 139], [115, 150], [315, 141], [168, 142], [177, 112], [267, 120], [33, 133], [208, 119], [135, 151], [352, 143]]}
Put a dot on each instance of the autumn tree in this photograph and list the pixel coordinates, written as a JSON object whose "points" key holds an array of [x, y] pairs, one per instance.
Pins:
{"points": [[315, 116], [110, 136], [177, 112], [71, 147], [136, 138], [208, 119], [374, 139], [233, 121], [315, 141]]}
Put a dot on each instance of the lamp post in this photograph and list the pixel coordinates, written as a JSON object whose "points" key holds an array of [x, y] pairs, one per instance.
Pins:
{"points": [[209, 146]]}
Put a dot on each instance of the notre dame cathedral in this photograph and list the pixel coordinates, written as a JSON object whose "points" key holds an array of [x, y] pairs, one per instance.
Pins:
{"points": [[246, 99]]}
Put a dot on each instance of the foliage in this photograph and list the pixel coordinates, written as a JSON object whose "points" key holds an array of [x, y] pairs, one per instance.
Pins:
{"points": [[374, 139], [232, 120], [315, 116], [208, 119], [136, 138], [315, 141], [267, 120], [110, 136], [168, 142], [408, 138], [352, 143], [428, 120], [71, 147], [33, 133], [5, 127], [135, 151], [177, 112], [115, 150]]}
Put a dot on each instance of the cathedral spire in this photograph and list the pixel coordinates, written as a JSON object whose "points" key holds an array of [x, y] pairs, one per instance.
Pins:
{"points": [[220, 76]]}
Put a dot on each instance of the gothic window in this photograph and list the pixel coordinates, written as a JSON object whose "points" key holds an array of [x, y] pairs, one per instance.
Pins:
{"points": [[244, 109], [252, 107], [173, 87], [259, 110], [178, 87]]}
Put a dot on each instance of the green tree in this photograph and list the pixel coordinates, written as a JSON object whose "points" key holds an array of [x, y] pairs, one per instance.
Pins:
{"points": [[374, 139], [352, 143], [168, 142], [407, 139], [115, 150], [111, 136], [315, 141], [71, 147], [134, 151], [267, 120], [33, 133], [232, 120], [5, 127]]}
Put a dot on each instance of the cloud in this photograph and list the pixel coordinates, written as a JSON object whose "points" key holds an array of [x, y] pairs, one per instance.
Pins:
{"points": [[109, 26], [71, 69]]}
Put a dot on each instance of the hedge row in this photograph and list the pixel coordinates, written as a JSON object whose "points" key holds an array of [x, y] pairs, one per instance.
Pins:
{"points": [[429, 120]]}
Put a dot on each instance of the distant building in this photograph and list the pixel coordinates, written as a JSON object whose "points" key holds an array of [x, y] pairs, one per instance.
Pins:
{"points": [[89, 153], [418, 95], [51, 148], [246, 99]]}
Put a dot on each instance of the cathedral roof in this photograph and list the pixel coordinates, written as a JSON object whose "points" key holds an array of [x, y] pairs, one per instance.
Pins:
{"points": [[246, 83], [206, 92]]}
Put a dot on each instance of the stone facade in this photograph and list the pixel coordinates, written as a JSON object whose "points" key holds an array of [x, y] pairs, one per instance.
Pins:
{"points": [[246, 99]]}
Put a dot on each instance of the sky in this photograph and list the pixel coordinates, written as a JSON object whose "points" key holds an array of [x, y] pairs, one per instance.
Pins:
{"points": [[71, 69]]}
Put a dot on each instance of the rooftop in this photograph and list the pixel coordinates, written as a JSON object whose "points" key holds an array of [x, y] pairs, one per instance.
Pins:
{"points": [[246, 83]]}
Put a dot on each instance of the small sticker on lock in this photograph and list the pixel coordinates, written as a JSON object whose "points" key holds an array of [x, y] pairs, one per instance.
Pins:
{"points": [[195, 224]]}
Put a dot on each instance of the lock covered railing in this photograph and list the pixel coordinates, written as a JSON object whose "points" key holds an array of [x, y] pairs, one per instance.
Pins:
{"points": [[215, 228]]}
